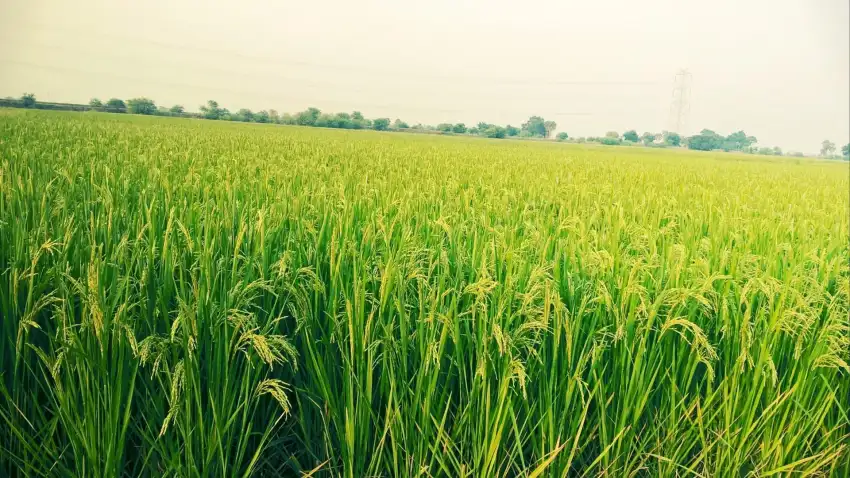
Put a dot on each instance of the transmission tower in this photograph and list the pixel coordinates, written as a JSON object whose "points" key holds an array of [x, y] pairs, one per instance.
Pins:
{"points": [[681, 104]]}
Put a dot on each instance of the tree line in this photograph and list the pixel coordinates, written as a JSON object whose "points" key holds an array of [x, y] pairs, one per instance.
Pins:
{"points": [[535, 127], [708, 140]]}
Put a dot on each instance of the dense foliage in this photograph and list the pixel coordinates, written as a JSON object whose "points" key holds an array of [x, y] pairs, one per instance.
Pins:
{"points": [[536, 127], [195, 298]]}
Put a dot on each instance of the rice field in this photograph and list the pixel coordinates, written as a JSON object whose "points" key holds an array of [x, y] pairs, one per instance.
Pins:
{"points": [[191, 298]]}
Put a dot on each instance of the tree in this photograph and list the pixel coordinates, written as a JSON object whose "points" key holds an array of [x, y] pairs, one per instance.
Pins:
{"points": [[342, 120], [535, 126], [353, 122], [707, 140], [115, 105], [609, 140], [631, 135], [287, 118], [445, 127], [381, 124], [845, 150], [562, 136], [95, 103], [274, 117], [612, 135], [399, 124], [494, 131], [211, 110], [777, 151], [141, 106], [359, 122], [647, 138], [244, 114], [738, 141], [261, 116], [549, 128], [308, 117], [459, 128], [672, 138], [176, 110], [28, 100], [511, 130], [325, 120], [827, 147]]}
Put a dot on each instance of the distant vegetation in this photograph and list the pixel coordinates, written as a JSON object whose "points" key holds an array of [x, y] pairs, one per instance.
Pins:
{"points": [[535, 128]]}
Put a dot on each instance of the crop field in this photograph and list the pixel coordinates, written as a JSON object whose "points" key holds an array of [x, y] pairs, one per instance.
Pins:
{"points": [[190, 298]]}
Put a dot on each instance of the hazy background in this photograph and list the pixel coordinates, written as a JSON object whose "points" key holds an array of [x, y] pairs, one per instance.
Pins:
{"points": [[778, 69]]}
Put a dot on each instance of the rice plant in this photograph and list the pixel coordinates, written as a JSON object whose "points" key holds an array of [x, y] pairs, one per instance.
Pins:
{"points": [[191, 298]]}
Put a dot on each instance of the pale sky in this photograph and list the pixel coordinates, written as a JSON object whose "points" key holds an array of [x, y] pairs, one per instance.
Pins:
{"points": [[778, 69]]}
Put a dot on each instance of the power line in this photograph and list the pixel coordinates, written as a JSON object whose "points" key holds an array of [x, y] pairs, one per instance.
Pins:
{"points": [[303, 82], [79, 71], [488, 80]]}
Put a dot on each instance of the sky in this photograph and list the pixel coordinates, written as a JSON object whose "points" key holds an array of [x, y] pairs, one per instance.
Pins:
{"points": [[780, 70]]}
